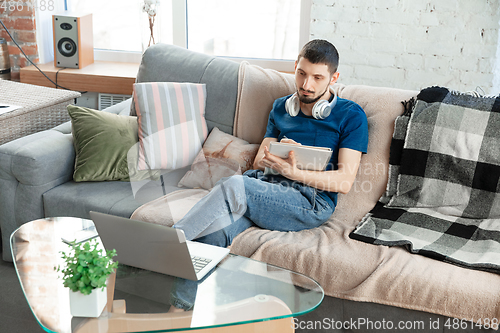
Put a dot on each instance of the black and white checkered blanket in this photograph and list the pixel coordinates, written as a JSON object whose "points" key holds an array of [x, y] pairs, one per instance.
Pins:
{"points": [[443, 195]]}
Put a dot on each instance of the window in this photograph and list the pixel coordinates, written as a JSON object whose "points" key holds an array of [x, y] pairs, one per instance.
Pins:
{"points": [[244, 28], [116, 24], [240, 29]]}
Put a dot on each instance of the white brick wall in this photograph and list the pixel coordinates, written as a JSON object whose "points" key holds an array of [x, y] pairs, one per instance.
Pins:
{"points": [[413, 44]]}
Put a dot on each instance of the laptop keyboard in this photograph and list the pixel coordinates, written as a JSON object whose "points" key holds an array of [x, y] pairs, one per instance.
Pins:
{"points": [[199, 263]]}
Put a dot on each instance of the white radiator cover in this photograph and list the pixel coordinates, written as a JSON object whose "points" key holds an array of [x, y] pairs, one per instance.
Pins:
{"points": [[107, 100]]}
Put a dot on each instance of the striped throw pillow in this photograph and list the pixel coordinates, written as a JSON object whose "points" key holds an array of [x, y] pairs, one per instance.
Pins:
{"points": [[172, 125]]}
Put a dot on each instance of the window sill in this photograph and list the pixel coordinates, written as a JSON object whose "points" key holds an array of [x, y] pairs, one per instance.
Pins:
{"points": [[101, 76]]}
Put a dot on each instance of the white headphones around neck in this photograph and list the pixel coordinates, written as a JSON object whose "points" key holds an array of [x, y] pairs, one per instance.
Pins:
{"points": [[321, 109]]}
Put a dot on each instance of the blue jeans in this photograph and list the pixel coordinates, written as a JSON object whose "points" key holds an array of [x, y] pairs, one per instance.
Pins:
{"points": [[239, 202]]}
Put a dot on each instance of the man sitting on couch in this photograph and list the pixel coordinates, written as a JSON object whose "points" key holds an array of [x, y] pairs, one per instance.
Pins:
{"points": [[295, 199]]}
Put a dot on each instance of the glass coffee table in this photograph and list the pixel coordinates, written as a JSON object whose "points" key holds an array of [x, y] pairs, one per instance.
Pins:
{"points": [[239, 291]]}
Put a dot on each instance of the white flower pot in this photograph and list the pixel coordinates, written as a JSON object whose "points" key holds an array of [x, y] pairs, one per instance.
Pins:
{"points": [[88, 305]]}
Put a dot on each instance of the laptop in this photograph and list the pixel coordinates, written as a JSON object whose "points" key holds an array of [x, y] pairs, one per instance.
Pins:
{"points": [[156, 247]]}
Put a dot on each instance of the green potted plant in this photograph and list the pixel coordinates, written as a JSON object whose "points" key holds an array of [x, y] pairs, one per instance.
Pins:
{"points": [[85, 273]]}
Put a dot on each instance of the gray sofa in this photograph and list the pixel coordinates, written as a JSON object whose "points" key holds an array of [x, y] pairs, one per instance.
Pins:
{"points": [[36, 182], [36, 171]]}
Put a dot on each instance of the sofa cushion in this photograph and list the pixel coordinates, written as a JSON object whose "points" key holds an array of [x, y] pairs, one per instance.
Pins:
{"points": [[106, 197], [102, 141], [170, 63], [223, 155], [258, 88], [117, 198], [381, 106], [172, 126]]}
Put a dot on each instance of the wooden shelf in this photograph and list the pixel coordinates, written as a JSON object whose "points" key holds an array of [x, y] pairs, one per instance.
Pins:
{"points": [[101, 76]]}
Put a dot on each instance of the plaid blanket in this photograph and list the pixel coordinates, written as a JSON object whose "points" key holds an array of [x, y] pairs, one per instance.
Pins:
{"points": [[443, 195]]}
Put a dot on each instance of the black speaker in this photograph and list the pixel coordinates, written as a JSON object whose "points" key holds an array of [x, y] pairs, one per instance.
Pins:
{"points": [[73, 40]]}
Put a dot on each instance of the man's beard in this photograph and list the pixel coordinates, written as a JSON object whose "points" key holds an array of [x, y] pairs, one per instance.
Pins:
{"points": [[310, 100]]}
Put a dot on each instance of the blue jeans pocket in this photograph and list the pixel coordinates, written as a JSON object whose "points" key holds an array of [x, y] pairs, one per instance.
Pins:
{"points": [[308, 192]]}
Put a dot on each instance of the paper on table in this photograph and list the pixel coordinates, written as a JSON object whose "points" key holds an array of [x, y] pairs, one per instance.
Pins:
{"points": [[4, 108]]}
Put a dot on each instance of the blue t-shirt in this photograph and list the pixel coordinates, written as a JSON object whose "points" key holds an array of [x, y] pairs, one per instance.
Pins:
{"points": [[345, 127]]}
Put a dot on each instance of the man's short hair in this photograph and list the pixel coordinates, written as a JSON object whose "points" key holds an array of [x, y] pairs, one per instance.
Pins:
{"points": [[319, 51]]}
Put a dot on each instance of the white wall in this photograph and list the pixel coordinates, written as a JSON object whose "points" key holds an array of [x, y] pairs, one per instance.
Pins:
{"points": [[412, 44], [496, 69]]}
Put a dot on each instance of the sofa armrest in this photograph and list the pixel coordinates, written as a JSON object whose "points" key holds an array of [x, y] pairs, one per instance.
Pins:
{"points": [[29, 167]]}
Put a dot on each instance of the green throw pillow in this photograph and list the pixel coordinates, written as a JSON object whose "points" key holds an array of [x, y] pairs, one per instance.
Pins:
{"points": [[102, 141]]}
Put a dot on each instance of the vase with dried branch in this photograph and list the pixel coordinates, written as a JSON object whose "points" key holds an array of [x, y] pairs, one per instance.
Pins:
{"points": [[150, 7]]}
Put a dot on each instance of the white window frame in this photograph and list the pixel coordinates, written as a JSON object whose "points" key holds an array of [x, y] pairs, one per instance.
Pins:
{"points": [[179, 22]]}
